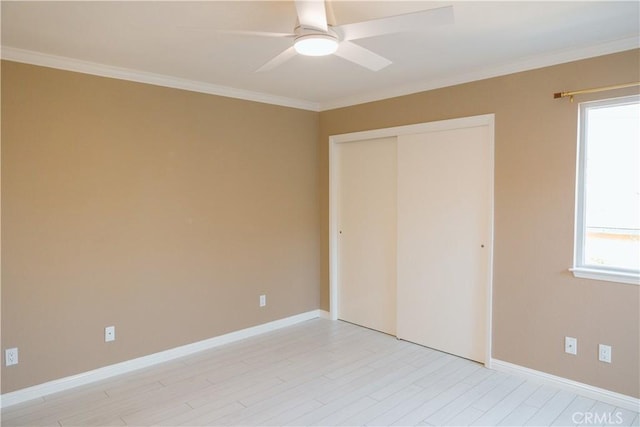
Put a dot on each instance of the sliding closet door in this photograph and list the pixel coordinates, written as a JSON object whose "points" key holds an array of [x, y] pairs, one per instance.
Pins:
{"points": [[367, 233], [444, 226]]}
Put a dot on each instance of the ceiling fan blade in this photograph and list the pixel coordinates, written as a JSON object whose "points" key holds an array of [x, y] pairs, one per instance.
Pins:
{"points": [[407, 23], [312, 14], [280, 59], [361, 56], [255, 33]]}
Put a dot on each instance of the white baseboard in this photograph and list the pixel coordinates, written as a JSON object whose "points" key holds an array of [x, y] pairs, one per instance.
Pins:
{"points": [[611, 397], [41, 390]]}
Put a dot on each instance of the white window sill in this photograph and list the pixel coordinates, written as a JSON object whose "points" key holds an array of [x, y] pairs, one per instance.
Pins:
{"points": [[607, 275]]}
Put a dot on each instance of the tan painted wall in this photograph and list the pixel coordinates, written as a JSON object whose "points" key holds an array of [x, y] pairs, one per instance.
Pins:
{"points": [[536, 300], [163, 212], [166, 213]]}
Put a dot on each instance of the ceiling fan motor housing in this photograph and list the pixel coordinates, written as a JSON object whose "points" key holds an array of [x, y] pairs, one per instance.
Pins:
{"points": [[314, 42]]}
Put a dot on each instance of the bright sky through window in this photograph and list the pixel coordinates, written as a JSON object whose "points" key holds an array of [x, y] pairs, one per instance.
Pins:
{"points": [[612, 187]]}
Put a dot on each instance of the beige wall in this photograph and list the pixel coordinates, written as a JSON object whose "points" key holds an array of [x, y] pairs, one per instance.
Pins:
{"points": [[163, 212], [536, 301], [166, 213]]}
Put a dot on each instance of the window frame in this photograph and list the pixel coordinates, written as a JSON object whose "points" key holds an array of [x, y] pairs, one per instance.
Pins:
{"points": [[580, 269]]}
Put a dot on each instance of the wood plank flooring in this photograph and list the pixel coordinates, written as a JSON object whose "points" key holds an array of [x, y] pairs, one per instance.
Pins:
{"points": [[316, 373]]}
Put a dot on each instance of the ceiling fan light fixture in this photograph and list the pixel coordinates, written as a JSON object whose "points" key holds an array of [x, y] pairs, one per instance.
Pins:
{"points": [[316, 44]]}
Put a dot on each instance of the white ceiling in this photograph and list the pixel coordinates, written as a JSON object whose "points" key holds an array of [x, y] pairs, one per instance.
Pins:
{"points": [[179, 44]]}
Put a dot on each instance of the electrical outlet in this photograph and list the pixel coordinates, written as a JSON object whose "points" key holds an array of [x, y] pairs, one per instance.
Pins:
{"points": [[263, 300], [604, 353], [11, 356], [109, 333], [570, 345]]}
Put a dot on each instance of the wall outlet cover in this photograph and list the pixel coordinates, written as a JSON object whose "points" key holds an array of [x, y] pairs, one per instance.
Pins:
{"points": [[571, 345], [604, 353], [11, 356], [109, 333]]}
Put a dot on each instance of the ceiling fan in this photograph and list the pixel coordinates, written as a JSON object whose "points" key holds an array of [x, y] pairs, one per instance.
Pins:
{"points": [[313, 36]]}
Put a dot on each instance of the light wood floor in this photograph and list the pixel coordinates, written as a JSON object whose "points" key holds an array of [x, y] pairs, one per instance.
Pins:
{"points": [[316, 373]]}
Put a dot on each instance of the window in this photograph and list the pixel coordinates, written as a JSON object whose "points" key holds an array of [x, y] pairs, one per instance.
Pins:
{"points": [[607, 241]]}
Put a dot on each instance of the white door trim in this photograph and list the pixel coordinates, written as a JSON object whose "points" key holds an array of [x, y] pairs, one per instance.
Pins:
{"points": [[460, 123]]}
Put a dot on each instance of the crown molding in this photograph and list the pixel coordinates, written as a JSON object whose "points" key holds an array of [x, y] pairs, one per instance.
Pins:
{"points": [[530, 63], [86, 67]]}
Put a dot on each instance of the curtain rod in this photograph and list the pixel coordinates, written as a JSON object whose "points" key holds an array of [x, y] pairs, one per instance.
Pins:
{"points": [[597, 89]]}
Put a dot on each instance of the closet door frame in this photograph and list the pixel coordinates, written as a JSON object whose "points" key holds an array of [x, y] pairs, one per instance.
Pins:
{"points": [[334, 184]]}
